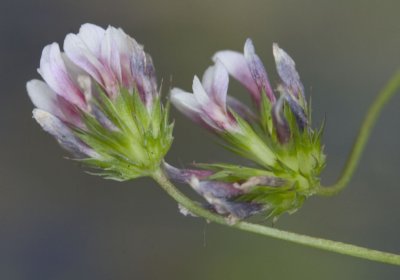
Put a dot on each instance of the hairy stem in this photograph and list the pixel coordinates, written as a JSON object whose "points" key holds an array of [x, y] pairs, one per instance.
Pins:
{"points": [[363, 135], [333, 246]]}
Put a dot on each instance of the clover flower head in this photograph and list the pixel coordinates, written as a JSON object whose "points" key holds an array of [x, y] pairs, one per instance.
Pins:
{"points": [[276, 137], [100, 100]]}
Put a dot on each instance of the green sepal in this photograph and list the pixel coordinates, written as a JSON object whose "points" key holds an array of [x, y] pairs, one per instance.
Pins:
{"points": [[248, 144], [130, 138], [265, 114], [233, 173]]}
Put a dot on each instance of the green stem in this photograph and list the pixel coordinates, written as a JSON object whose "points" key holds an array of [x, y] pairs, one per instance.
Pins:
{"points": [[319, 243], [365, 131]]}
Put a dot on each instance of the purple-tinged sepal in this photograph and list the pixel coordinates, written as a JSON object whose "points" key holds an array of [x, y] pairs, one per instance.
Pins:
{"points": [[291, 86], [100, 101], [64, 135], [286, 68], [222, 197], [237, 192], [297, 110], [258, 71], [249, 70]]}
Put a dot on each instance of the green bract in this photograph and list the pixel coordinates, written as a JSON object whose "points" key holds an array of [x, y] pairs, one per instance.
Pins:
{"points": [[136, 142]]}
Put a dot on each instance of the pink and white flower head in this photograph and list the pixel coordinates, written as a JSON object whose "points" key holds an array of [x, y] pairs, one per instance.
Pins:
{"points": [[113, 60], [110, 58], [207, 104], [102, 85], [279, 140]]}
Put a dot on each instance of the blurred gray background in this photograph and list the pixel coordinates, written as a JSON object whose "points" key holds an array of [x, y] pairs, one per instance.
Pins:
{"points": [[56, 222]]}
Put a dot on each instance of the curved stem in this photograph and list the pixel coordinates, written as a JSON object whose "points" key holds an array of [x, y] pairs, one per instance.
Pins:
{"points": [[358, 147], [319, 243]]}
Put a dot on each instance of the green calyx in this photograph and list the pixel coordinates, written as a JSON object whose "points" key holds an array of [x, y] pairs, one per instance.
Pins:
{"points": [[130, 138]]}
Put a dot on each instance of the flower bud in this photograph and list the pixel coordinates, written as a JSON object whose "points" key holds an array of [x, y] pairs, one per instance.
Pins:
{"points": [[100, 100], [222, 197], [257, 70], [287, 72]]}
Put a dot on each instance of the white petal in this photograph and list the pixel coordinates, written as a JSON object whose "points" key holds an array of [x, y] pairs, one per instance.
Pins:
{"points": [[109, 52], [117, 50], [237, 67], [42, 96], [81, 55], [207, 79], [55, 73], [215, 82], [92, 35], [186, 103], [199, 93]]}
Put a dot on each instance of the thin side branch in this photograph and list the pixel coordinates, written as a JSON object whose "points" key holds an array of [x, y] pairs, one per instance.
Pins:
{"points": [[363, 135]]}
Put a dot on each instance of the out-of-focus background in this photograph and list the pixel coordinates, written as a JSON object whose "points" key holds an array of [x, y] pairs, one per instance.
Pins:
{"points": [[56, 222]]}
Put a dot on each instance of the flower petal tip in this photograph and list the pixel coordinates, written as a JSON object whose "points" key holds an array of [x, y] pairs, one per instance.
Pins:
{"points": [[249, 46]]}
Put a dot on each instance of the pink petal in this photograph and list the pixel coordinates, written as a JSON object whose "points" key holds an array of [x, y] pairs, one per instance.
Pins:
{"points": [[80, 53], [237, 67], [116, 50], [44, 98]]}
